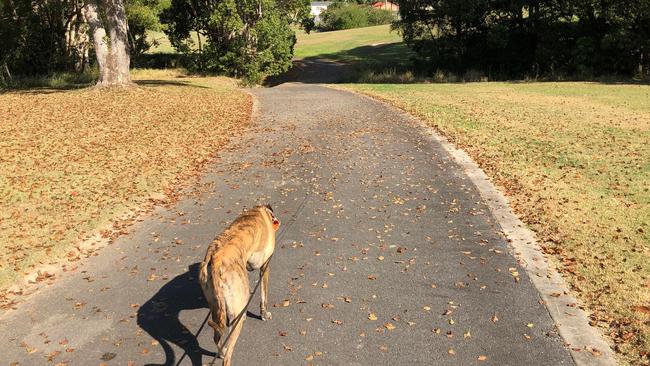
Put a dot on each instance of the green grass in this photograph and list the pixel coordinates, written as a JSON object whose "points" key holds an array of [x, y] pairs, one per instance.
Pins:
{"points": [[337, 44], [574, 160], [351, 44], [164, 46], [63, 80]]}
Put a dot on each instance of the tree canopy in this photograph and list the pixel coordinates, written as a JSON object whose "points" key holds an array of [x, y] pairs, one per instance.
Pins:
{"points": [[243, 38], [530, 38]]}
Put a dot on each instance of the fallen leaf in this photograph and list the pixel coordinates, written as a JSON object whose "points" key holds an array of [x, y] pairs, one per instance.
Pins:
{"points": [[641, 309], [108, 356]]}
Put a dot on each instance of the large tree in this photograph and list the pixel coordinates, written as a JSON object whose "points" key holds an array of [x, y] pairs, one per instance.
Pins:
{"points": [[529, 38], [112, 48]]}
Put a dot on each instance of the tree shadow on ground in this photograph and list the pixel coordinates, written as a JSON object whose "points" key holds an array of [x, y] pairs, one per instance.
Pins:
{"points": [[156, 82], [347, 66], [160, 317], [33, 90], [391, 63]]}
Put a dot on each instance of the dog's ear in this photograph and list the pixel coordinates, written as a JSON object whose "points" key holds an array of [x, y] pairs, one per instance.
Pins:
{"points": [[269, 207]]}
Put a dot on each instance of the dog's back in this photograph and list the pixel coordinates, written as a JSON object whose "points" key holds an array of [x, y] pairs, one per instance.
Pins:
{"points": [[222, 274]]}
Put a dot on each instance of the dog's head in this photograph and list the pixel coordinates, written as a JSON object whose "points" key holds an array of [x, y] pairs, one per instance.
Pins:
{"points": [[269, 211]]}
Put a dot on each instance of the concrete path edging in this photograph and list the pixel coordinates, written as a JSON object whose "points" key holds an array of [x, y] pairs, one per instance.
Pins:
{"points": [[586, 344]]}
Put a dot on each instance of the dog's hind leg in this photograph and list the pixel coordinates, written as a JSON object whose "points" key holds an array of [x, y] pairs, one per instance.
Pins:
{"points": [[219, 330], [236, 298], [230, 345]]}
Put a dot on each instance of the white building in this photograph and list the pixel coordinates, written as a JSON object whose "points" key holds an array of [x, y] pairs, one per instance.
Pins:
{"points": [[318, 7]]}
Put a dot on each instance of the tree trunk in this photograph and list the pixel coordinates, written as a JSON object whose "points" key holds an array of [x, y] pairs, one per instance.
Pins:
{"points": [[116, 15], [98, 32], [77, 40], [113, 59]]}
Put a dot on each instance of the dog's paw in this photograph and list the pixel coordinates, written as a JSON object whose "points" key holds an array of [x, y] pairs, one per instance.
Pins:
{"points": [[222, 353], [266, 315]]}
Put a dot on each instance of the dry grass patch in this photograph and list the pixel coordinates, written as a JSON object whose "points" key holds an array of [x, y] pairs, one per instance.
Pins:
{"points": [[72, 161], [575, 160]]}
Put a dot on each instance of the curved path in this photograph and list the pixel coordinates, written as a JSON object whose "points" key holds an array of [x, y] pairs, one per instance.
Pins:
{"points": [[387, 256]]}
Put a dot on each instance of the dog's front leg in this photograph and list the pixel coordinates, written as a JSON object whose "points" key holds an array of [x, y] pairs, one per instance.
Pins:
{"points": [[264, 277]]}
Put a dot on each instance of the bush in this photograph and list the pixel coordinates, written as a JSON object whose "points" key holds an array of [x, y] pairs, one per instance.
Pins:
{"points": [[340, 16], [250, 40]]}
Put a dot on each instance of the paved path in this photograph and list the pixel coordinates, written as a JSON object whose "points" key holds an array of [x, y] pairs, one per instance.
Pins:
{"points": [[377, 222]]}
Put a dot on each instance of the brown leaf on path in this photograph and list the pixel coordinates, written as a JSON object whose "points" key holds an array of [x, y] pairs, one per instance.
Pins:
{"points": [[494, 318], [283, 304], [51, 356], [595, 352], [108, 356], [482, 358]]}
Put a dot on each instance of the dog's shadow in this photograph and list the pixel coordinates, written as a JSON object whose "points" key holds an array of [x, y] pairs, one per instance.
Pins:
{"points": [[160, 317]]}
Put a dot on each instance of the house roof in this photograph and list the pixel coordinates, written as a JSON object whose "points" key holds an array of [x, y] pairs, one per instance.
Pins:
{"points": [[381, 4]]}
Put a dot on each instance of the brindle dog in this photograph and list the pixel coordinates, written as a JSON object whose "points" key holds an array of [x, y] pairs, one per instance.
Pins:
{"points": [[246, 244]]}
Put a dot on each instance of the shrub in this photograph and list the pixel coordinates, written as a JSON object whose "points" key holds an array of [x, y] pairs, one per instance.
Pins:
{"points": [[347, 16], [245, 39]]}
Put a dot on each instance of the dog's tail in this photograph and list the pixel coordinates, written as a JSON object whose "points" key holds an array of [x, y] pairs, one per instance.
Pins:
{"points": [[210, 284]]}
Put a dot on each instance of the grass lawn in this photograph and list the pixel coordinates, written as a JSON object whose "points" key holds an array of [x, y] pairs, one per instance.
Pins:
{"points": [[350, 44], [164, 46], [72, 161], [574, 158]]}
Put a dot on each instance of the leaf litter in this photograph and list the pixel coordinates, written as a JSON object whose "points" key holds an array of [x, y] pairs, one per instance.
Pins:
{"points": [[73, 162]]}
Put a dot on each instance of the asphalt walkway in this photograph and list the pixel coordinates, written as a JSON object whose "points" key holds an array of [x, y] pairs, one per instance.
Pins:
{"points": [[387, 256]]}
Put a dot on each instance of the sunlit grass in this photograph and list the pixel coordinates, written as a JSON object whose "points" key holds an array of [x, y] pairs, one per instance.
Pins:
{"points": [[330, 43]]}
